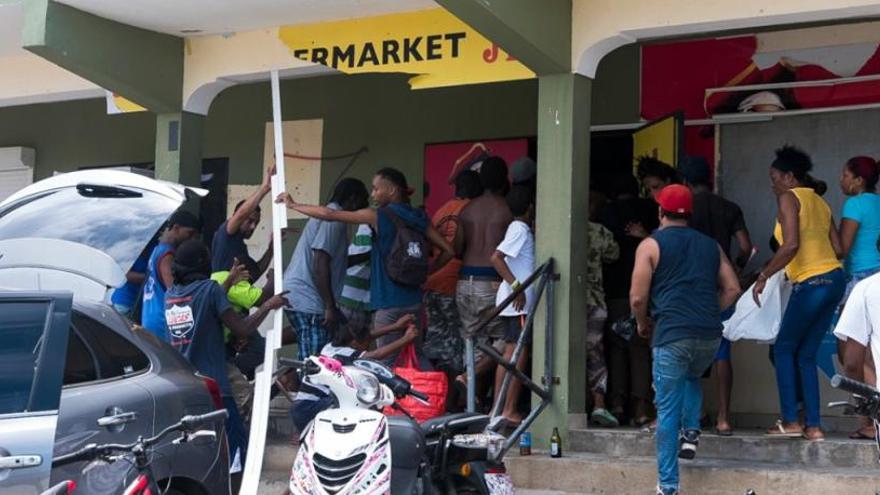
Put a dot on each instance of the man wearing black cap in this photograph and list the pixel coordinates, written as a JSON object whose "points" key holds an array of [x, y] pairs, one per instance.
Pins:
{"points": [[196, 309], [723, 221], [182, 226]]}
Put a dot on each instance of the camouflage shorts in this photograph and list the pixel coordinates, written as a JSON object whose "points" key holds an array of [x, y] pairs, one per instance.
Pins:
{"points": [[443, 344]]}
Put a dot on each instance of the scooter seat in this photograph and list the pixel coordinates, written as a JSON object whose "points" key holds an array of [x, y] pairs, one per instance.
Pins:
{"points": [[465, 422]]}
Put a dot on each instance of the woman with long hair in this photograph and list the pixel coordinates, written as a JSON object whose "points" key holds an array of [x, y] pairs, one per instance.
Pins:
{"points": [[808, 252]]}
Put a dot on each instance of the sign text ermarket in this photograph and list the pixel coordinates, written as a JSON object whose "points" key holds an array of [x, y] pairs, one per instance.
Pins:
{"points": [[432, 45], [406, 50]]}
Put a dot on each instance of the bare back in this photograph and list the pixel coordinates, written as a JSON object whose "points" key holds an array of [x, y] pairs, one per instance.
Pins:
{"points": [[484, 221]]}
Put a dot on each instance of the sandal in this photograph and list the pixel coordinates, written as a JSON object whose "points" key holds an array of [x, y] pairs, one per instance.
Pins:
{"points": [[641, 421], [814, 434], [861, 435], [779, 431], [728, 432], [603, 418]]}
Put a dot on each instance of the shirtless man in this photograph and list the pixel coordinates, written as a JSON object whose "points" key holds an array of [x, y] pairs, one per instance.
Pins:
{"points": [[484, 222]]}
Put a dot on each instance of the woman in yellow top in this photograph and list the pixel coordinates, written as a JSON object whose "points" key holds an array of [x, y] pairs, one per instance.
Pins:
{"points": [[808, 252]]}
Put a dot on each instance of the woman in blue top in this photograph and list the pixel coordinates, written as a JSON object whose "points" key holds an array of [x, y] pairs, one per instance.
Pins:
{"points": [[859, 234]]}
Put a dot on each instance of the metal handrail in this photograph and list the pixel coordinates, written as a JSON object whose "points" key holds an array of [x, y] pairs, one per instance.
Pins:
{"points": [[546, 278]]}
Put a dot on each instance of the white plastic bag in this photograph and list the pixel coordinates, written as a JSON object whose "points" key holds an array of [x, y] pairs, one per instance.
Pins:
{"points": [[751, 322]]}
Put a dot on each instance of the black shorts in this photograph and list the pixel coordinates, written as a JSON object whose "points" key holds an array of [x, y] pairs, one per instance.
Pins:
{"points": [[513, 326]]}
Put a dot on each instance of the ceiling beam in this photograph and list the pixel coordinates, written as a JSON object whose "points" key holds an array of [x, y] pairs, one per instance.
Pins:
{"points": [[537, 33], [143, 66]]}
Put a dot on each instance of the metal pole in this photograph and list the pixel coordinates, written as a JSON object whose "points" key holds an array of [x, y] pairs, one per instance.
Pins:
{"points": [[263, 383], [471, 374]]}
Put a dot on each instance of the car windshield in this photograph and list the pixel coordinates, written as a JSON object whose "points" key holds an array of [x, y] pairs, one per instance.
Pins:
{"points": [[117, 221]]}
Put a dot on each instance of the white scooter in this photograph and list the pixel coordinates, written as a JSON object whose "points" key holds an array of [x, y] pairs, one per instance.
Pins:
{"points": [[353, 449]]}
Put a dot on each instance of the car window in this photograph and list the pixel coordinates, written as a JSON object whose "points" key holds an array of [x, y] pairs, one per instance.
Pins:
{"points": [[116, 356], [80, 365], [21, 330], [107, 219]]}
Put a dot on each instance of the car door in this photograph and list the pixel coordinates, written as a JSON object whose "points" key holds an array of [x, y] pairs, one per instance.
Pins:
{"points": [[33, 341], [103, 401]]}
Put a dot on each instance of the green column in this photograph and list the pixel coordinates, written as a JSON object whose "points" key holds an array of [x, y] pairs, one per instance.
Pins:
{"points": [[179, 147], [562, 209]]}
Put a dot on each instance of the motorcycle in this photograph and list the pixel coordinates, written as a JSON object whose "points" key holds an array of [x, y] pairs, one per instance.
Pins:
{"points": [[352, 448]]}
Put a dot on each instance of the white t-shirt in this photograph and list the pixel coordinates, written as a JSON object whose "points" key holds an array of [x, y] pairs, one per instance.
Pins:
{"points": [[518, 247], [860, 319]]}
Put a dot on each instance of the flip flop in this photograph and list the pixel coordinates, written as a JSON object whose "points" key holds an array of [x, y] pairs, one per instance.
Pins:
{"points": [[859, 435], [603, 418], [779, 430], [724, 433]]}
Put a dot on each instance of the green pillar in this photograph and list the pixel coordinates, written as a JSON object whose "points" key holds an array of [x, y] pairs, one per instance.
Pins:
{"points": [[179, 147], [562, 209]]}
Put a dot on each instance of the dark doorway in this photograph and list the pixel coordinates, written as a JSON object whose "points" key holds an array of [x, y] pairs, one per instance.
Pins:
{"points": [[212, 210]]}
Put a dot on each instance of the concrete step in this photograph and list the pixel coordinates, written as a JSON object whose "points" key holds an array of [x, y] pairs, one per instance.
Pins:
{"points": [[600, 475], [836, 451]]}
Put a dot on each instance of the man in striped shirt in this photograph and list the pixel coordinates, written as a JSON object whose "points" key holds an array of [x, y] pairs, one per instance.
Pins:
{"points": [[354, 303]]}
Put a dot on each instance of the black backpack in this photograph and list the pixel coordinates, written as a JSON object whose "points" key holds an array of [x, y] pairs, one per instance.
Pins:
{"points": [[406, 263]]}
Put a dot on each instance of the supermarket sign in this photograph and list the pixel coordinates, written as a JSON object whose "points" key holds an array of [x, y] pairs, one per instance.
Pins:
{"points": [[433, 45]]}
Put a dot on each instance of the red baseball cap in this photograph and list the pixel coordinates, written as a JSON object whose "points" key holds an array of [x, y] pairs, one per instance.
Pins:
{"points": [[676, 198]]}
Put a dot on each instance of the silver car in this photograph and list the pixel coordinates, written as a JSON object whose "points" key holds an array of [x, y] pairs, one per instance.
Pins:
{"points": [[85, 375]]}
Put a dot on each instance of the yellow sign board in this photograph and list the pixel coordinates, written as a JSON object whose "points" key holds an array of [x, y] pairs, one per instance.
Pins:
{"points": [[117, 104], [434, 45], [659, 139]]}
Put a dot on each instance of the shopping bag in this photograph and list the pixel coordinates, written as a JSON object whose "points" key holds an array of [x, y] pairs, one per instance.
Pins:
{"points": [[434, 384], [751, 322]]}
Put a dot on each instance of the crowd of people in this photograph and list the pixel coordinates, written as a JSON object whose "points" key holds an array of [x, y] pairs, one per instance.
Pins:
{"points": [[686, 280], [663, 273]]}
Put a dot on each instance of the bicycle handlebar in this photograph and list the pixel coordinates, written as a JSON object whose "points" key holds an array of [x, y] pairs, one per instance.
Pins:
{"points": [[92, 451], [854, 387]]}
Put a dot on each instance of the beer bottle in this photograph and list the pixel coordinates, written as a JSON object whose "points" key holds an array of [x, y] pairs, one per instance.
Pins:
{"points": [[555, 443]]}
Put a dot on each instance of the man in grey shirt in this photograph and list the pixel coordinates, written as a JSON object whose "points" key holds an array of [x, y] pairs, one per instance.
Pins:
{"points": [[316, 271]]}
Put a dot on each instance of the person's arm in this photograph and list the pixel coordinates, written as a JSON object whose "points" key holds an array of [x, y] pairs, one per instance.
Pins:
{"points": [[728, 283], [165, 273], [854, 359], [744, 242], [250, 204], [402, 323], [365, 215], [136, 278], [321, 271], [788, 217], [446, 250], [265, 261], [647, 255], [503, 269], [458, 243], [848, 230], [610, 248], [242, 327], [392, 348], [237, 273], [834, 238]]}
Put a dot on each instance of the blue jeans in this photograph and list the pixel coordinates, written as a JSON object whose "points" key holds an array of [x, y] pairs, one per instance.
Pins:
{"points": [[302, 412], [678, 367], [806, 320]]}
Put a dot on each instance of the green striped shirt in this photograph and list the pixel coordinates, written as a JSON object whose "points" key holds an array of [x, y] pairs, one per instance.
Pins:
{"points": [[356, 286]]}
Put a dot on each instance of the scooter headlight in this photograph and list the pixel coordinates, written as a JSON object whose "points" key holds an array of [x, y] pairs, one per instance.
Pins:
{"points": [[368, 390], [491, 441]]}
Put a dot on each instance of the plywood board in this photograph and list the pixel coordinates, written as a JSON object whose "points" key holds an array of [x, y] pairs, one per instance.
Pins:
{"points": [[302, 138]]}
